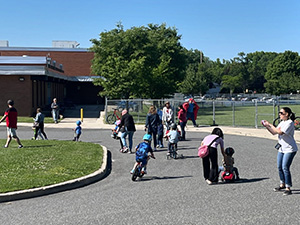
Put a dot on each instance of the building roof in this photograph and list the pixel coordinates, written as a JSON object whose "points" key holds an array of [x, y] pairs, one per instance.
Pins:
{"points": [[36, 65], [23, 60], [46, 49]]}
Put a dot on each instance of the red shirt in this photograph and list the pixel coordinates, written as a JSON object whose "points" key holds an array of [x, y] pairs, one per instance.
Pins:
{"points": [[182, 116], [11, 117]]}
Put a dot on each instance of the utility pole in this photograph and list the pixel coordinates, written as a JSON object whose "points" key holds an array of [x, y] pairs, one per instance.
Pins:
{"points": [[200, 57]]}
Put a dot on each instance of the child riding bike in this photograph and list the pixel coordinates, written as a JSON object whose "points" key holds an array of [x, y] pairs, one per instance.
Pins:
{"points": [[142, 151], [173, 138]]}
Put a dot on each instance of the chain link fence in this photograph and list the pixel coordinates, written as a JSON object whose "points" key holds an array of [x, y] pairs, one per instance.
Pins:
{"points": [[211, 112]]}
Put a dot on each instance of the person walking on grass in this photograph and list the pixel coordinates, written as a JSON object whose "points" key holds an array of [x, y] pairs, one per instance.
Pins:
{"points": [[11, 117], [39, 120]]}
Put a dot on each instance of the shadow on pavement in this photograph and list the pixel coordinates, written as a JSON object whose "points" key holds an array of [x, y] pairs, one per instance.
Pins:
{"points": [[244, 180], [162, 178]]}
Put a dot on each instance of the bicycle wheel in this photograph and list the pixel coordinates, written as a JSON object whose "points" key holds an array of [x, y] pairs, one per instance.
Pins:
{"points": [[276, 122], [135, 174], [297, 123], [111, 119]]}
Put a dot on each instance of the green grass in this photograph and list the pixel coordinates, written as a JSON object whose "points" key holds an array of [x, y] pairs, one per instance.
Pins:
{"points": [[23, 119], [42, 163]]}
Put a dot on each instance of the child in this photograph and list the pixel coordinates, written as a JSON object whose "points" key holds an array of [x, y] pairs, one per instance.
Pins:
{"points": [[77, 131], [114, 134], [230, 172], [173, 137], [141, 153], [160, 134], [39, 125]]}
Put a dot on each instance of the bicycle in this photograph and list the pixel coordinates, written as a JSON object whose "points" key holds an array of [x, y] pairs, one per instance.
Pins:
{"points": [[173, 153], [296, 122], [138, 170], [112, 118]]}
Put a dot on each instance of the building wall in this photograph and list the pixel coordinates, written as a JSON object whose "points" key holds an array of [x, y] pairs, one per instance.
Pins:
{"points": [[12, 88], [74, 63]]}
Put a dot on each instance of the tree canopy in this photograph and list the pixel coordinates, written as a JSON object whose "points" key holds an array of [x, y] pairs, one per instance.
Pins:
{"points": [[149, 62], [144, 62]]}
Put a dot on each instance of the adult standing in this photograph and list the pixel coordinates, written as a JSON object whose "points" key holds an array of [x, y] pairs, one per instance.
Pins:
{"points": [[182, 121], [287, 147], [11, 117], [127, 126], [39, 119], [210, 162], [55, 110], [167, 116], [152, 121], [191, 108]]}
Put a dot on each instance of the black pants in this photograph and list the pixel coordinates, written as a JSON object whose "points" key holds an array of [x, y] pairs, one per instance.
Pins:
{"points": [[41, 128], [210, 165]]}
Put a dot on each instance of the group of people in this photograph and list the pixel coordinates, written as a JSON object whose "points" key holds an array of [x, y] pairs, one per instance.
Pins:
{"points": [[287, 147], [11, 118]]}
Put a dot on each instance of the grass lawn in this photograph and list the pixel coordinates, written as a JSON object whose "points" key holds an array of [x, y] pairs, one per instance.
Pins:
{"points": [[42, 163], [23, 119]]}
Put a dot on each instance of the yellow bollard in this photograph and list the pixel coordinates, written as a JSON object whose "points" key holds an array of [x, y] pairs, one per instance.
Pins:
{"points": [[81, 114]]}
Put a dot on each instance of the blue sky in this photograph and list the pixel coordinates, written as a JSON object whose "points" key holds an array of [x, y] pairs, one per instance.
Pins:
{"points": [[219, 28]]}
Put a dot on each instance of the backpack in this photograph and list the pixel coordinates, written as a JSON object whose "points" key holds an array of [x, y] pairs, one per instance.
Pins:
{"points": [[203, 150], [142, 150]]}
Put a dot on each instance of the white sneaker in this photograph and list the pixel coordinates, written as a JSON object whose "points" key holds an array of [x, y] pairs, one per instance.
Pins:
{"points": [[144, 170], [208, 182]]}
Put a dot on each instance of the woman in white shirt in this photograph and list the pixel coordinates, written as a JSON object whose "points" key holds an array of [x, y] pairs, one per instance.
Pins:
{"points": [[287, 148], [167, 116]]}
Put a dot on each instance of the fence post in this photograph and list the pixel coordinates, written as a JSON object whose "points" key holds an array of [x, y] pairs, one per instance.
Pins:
{"points": [[214, 114], [233, 114], [105, 110], [256, 114]]}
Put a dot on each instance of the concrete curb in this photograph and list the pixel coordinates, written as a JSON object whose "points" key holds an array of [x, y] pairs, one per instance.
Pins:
{"points": [[64, 186]]}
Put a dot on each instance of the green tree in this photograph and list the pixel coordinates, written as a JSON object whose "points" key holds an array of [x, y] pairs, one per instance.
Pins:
{"points": [[195, 80], [197, 74], [257, 68], [145, 62], [283, 74]]}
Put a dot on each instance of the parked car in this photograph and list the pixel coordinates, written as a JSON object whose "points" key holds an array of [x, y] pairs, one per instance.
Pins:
{"points": [[131, 105]]}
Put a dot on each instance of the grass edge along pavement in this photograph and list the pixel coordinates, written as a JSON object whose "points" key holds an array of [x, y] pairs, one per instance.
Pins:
{"points": [[64, 186]]}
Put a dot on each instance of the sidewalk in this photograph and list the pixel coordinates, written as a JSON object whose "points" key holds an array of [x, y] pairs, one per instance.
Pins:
{"points": [[98, 123]]}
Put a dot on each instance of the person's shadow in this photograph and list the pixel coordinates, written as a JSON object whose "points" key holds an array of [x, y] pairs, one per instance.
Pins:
{"points": [[245, 180]]}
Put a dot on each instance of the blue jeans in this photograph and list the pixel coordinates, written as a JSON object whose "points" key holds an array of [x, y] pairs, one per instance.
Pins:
{"points": [[123, 138], [55, 115], [190, 115], [182, 127], [284, 161]]}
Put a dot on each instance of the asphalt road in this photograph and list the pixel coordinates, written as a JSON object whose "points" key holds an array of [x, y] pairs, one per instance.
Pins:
{"points": [[173, 191]]}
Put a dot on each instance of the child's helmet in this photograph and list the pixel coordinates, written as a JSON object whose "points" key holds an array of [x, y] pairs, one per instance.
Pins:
{"points": [[147, 137], [229, 151], [78, 122]]}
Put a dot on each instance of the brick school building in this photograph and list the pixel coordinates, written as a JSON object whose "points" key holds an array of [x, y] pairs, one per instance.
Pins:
{"points": [[33, 76]]}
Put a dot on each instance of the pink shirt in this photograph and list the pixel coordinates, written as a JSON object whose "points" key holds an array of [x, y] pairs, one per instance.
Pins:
{"points": [[209, 138]]}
